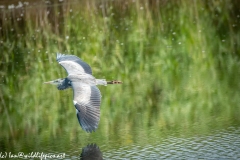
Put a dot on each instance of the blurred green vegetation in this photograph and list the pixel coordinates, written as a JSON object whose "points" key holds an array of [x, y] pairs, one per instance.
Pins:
{"points": [[178, 60]]}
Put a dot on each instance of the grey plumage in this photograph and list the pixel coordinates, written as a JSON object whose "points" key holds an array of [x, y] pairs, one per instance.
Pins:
{"points": [[65, 83], [73, 64], [87, 100], [87, 97]]}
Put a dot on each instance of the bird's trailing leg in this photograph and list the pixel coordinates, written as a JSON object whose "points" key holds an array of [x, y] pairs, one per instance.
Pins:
{"points": [[114, 82]]}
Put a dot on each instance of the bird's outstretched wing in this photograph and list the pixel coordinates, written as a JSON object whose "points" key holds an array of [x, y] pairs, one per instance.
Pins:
{"points": [[87, 100], [73, 65]]}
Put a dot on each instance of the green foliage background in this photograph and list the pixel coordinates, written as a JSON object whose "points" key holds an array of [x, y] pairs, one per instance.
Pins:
{"points": [[178, 60]]}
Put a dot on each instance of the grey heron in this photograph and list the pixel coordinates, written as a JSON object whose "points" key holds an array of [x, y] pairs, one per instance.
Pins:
{"points": [[86, 95]]}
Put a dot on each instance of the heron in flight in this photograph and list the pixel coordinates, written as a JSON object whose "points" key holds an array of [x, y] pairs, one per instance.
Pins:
{"points": [[86, 95]]}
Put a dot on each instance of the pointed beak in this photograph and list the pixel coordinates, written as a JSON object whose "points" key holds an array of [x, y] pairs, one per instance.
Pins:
{"points": [[49, 82], [54, 82]]}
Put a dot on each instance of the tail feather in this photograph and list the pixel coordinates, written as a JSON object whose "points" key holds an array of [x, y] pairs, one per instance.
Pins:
{"points": [[101, 82]]}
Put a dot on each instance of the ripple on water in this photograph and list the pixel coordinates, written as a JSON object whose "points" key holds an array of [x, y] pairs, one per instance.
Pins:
{"points": [[219, 145]]}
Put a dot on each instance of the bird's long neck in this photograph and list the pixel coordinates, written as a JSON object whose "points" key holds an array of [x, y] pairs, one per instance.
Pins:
{"points": [[114, 82]]}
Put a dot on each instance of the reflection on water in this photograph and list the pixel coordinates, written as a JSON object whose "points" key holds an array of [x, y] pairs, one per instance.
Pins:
{"points": [[219, 144], [91, 152]]}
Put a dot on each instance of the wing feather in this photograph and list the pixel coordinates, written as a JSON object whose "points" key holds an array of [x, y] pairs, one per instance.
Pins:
{"points": [[73, 65], [87, 100]]}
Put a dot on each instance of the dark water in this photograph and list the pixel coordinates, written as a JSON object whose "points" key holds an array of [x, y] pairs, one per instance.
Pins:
{"points": [[221, 144], [218, 144]]}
